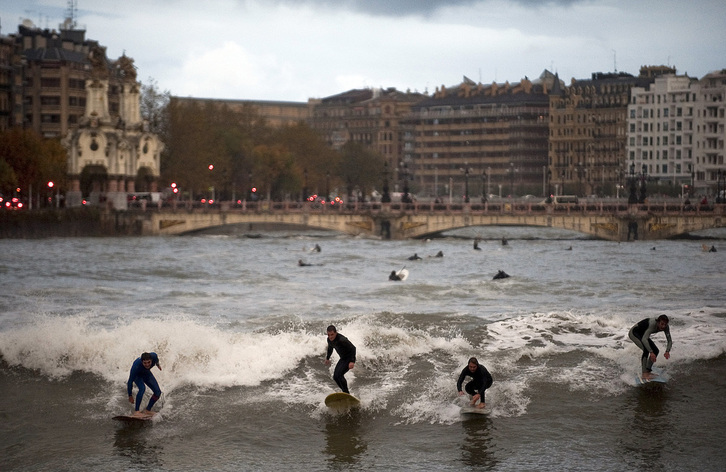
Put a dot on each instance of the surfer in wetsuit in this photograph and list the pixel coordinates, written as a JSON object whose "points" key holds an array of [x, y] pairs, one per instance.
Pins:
{"points": [[394, 276], [640, 335], [346, 352], [141, 375], [481, 380]]}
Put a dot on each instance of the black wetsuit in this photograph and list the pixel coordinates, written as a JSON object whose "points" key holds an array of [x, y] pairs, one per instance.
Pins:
{"points": [[481, 380], [640, 335], [346, 351]]}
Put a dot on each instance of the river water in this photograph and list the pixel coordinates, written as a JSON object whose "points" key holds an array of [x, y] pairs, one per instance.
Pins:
{"points": [[240, 331]]}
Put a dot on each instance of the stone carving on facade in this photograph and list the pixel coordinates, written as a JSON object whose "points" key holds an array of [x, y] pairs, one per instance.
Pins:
{"points": [[99, 63], [127, 69]]}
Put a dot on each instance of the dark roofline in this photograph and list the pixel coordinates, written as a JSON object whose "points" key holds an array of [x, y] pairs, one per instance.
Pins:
{"points": [[241, 101], [520, 99]]}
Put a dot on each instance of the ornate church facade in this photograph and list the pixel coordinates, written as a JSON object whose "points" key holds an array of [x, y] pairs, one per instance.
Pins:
{"points": [[109, 155]]}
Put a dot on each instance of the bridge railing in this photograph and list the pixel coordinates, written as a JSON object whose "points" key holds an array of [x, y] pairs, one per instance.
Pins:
{"points": [[492, 208]]}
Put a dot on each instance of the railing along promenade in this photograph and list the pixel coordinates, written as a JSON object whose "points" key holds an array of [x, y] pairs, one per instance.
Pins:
{"points": [[612, 220]]}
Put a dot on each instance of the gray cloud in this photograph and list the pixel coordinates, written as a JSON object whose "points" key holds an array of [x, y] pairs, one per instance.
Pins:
{"points": [[396, 8]]}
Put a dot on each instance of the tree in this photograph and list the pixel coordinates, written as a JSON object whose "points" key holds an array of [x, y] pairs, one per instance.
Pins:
{"points": [[154, 107], [311, 154], [360, 167], [30, 161]]}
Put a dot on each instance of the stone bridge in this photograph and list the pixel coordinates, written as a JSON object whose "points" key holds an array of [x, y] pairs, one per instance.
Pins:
{"points": [[609, 221]]}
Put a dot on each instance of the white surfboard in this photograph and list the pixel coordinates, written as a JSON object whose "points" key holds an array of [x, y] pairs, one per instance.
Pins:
{"points": [[340, 400], [659, 379], [470, 410], [402, 274]]}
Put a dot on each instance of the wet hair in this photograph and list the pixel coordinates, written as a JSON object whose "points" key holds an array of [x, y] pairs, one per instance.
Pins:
{"points": [[473, 361], [331, 328], [663, 318], [146, 356]]}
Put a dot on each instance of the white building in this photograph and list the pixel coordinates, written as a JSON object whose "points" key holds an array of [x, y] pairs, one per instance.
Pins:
{"points": [[676, 131], [711, 132]]}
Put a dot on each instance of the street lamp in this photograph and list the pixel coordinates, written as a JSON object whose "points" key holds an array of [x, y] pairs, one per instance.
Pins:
{"points": [[386, 197], [483, 195], [643, 184], [511, 171], [405, 198], [305, 185], [466, 184], [720, 186], [632, 198]]}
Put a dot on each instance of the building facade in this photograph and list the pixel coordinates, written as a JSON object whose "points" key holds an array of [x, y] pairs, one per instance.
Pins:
{"points": [[587, 136], [111, 154], [371, 117], [51, 73], [710, 171], [662, 131], [275, 113], [476, 140]]}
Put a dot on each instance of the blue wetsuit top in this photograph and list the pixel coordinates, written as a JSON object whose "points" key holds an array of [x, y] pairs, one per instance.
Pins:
{"points": [[138, 370]]}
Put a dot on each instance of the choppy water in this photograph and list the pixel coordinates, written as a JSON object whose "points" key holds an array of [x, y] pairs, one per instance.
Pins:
{"points": [[239, 328]]}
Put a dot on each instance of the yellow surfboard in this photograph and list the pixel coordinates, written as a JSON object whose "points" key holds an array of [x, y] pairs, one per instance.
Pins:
{"points": [[341, 400]]}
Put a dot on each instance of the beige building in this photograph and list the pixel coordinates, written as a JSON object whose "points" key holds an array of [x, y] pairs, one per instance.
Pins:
{"points": [[111, 154], [276, 113], [368, 116], [475, 139], [587, 136]]}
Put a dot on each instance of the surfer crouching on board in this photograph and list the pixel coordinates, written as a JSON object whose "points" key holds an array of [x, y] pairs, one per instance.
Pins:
{"points": [[640, 335], [141, 376], [346, 351], [481, 380]]}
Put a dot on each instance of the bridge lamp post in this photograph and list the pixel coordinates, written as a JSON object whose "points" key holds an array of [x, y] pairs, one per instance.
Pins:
{"points": [[512, 170], [327, 186], [483, 195], [211, 188], [489, 180], [632, 198], [305, 184], [386, 197], [405, 198], [466, 183], [563, 183], [643, 184], [720, 186]]}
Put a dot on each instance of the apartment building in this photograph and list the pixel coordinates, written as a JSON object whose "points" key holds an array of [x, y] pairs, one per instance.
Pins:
{"points": [[663, 131], [276, 113], [51, 68], [587, 136], [475, 139], [368, 116], [710, 171]]}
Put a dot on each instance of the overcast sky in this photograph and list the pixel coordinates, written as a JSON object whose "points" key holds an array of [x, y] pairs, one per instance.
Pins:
{"points": [[293, 50]]}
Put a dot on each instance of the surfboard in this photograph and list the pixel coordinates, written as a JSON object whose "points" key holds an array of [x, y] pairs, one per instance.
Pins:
{"points": [[340, 400], [659, 379], [470, 410], [402, 274], [134, 419]]}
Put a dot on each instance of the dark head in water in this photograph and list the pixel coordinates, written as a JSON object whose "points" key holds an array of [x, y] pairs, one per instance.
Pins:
{"points": [[500, 275]]}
